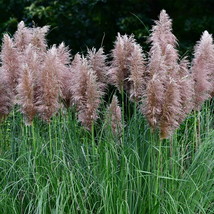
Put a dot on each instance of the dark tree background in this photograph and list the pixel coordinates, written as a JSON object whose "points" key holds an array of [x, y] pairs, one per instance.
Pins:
{"points": [[86, 23]]}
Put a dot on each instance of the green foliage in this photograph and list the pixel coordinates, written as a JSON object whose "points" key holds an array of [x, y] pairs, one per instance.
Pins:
{"points": [[57, 168]]}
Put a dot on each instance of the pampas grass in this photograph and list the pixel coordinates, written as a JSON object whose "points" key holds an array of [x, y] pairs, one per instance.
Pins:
{"points": [[114, 117], [162, 32], [22, 37], [86, 92], [137, 73], [97, 62], [26, 88], [49, 86], [6, 100], [119, 71], [35, 36], [10, 60], [60, 167], [186, 84], [152, 107], [202, 69], [39, 79], [65, 74], [171, 109]]}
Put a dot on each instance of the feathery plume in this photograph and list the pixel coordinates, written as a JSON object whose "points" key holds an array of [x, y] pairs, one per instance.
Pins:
{"points": [[152, 107], [171, 61], [86, 92], [114, 115], [76, 63], [26, 94], [186, 84], [5, 97], [162, 32], [27, 86], [97, 62], [38, 38], [49, 88], [69, 81], [22, 37], [155, 61], [63, 58], [10, 60], [163, 78], [164, 64], [35, 36], [171, 110], [202, 68], [63, 54], [137, 73], [119, 71]]}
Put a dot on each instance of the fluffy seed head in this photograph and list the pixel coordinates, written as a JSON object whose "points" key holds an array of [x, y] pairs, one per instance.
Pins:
{"points": [[137, 73], [86, 92], [97, 62], [119, 71], [202, 69], [162, 32], [114, 115], [49, 86], [10, 60], [172, 109], [152, 108]]}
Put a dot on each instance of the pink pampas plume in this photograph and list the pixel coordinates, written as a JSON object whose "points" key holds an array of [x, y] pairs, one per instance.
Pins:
{"points": [[49, 88], [155, 90], [114, 116], [63, 58], [186, 83], [171, 61], [28, 84], [22, 37], [10, 60], [26, 94], [63, 54], [35, 36], [6, 100], [155, 61], [86, 92], [152, 107], [171, 110], [202, 69], [137, 73], [97, 62], [164, 64], [162, 32], [69, 81], [119, 71], [38, 38], [77, 61]]}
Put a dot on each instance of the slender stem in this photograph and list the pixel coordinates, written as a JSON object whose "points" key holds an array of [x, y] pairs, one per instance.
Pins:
{"points": [[93, 138], [135, 111], [33, 136], [92, 133], [158, 171], [199, 129], [150, 146], [50, 140], [195, 131], [13, 139], [123, 114]]}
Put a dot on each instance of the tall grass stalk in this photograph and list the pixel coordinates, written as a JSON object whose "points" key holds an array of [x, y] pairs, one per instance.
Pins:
{"points": [[123, 113], [65, 175]]}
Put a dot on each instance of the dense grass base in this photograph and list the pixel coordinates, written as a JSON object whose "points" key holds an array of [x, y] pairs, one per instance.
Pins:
{"points": [[61, 168]]}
